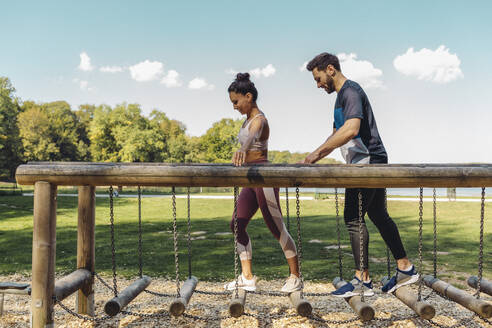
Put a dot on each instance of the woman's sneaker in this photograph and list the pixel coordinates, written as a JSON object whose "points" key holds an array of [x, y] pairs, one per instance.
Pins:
{"points": [[401, 278], [292, 284], [246, 284], [354, 288]]}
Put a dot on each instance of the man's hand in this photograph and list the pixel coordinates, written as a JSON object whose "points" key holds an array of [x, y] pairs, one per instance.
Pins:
{"points": [[311, 158], [239, 158]]}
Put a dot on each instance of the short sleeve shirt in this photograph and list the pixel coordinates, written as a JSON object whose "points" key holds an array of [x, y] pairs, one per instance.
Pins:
{"points": [[367, 147]]}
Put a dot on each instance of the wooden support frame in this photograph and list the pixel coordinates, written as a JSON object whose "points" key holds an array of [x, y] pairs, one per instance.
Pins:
{"points": [[485, 285], [468, 301], [178, 306], [116, 304], [364, 310], [408, 297], [236, 306], [43, 255], [86, 249]]}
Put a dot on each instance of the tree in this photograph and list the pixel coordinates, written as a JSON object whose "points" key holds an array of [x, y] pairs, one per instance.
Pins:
{"points": [[10, 143], [219, 143]]}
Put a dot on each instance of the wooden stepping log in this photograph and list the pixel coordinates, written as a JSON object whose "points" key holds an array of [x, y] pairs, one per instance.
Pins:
{"points": [[236, 306], [178, 306], [363, 310], [485, 285], [115, 305]]}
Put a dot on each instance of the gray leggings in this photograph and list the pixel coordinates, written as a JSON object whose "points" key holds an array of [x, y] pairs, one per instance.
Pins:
{"points": [[373, 203]]}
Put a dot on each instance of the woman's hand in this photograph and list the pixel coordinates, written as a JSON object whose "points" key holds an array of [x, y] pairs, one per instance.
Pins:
{"points": [[239, 158]]}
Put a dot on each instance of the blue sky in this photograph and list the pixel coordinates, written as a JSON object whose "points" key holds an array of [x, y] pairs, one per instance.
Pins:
{"points": [[431, 105]]}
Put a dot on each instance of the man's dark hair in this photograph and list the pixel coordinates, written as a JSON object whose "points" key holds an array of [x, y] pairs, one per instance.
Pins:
{"points": [[243, 85], [322, 61]]}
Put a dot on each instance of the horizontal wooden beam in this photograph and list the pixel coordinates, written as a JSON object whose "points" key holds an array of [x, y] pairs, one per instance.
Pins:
{"points": [[71, 283], [258, 175]]}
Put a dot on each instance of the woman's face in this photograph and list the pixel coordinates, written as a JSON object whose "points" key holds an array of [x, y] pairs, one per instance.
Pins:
{"points": [[241, 103]]}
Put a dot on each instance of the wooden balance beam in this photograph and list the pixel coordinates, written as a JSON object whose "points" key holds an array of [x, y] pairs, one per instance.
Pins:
{"points": [[363, 310], [468, 301], [12, 288], [116, 304], [178, 306], [410, 299]]}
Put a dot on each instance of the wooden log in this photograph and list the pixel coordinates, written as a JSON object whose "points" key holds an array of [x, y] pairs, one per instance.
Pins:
{"points": [[116, 304], [468, 301], [71, 283], [86, 247], [1, 304], [25, 291], [364, 311], [43, 255], [485, 285], [303, 307], [258, 175], [178, 306], [236, 306], [410, 299]]}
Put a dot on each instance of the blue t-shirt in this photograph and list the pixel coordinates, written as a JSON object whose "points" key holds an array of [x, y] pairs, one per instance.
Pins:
{"points": [[367, 147]]}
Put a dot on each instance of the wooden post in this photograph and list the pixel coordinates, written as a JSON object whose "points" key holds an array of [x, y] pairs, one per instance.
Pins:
{"points": [[115, 305], [485, 285], [43, 255], [303, 307], [71, 283], [178, 306], [363, 310], [236, 306], [1, 304], [86, 247], [471, 303], [410, 299]]}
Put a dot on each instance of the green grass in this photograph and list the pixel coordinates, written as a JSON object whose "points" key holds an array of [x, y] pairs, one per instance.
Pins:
{"points": [[458, 232]]}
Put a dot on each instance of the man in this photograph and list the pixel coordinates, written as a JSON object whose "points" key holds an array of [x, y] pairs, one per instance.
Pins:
{"points": [[356, 134]]}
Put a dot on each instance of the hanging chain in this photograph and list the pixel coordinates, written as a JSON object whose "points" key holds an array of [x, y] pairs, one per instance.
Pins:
{"points": [[388, 259], [361, 247], [113, 250], [287, 208], [140, 262], [189, 233], [299, 239], [480, 253], [421, 223], [236, 276], [434, 221], [337, 211], [175, 237]]}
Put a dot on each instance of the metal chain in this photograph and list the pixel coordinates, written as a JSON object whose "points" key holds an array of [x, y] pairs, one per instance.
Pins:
{"points": [[102, 281], [421, 223], [337, 211], [287, 208], [163, 314], [236, 276], [480, 253], [189, 232], [434, 221], [299, 238], [140, 261], [113, 249], [79, 316], [388, 259], [175, 238], [361, 247], [158, 294]]}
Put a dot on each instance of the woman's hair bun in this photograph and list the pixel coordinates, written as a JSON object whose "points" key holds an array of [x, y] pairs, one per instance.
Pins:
{"points": [[242, 77]]}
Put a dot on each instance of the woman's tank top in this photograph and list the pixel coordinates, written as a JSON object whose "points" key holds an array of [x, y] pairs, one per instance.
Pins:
{"points": [[257, 144]]}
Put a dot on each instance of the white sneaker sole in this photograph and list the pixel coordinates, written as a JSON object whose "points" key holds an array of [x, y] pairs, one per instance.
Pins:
{"points": [[412, 280], [247, 288], [350, 294], [288, 291]]}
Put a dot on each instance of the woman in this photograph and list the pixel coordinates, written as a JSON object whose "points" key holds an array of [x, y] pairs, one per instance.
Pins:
{"points": [[253, 137]]}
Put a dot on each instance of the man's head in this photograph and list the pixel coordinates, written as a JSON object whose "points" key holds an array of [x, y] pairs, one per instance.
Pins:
{"points": [[325, 68]]}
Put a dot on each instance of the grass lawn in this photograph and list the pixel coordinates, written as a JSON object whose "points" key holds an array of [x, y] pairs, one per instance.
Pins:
{"points": [[458, 236]]}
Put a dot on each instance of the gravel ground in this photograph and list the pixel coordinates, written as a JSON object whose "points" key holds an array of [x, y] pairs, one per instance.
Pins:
{"points": [[264, 311]]}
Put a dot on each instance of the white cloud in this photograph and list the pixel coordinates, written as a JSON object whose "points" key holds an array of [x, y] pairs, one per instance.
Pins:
{"points": [[438, 65], [85, 62], [83, 85], [303, 68], [146, 71], [199, 83], [111, 69], [361, 71], [171, 80], [231, 71], [266, 71]]}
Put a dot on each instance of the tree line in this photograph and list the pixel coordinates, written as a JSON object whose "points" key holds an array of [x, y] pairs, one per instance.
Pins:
{"points": [[53, 131]]}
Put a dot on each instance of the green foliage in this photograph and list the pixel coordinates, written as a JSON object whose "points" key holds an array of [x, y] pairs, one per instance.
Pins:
{"points": [[10, 143]]}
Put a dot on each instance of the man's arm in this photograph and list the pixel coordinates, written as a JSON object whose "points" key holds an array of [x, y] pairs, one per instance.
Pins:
{"points": [[340, 137]]}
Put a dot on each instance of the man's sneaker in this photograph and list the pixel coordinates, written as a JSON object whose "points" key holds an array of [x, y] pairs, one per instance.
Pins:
{"points": [[292, 284], [246, 284], [354, 288], [401, 278]]}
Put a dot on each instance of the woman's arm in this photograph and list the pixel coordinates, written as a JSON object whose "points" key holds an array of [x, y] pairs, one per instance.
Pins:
{"points": [[255, 129]]}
